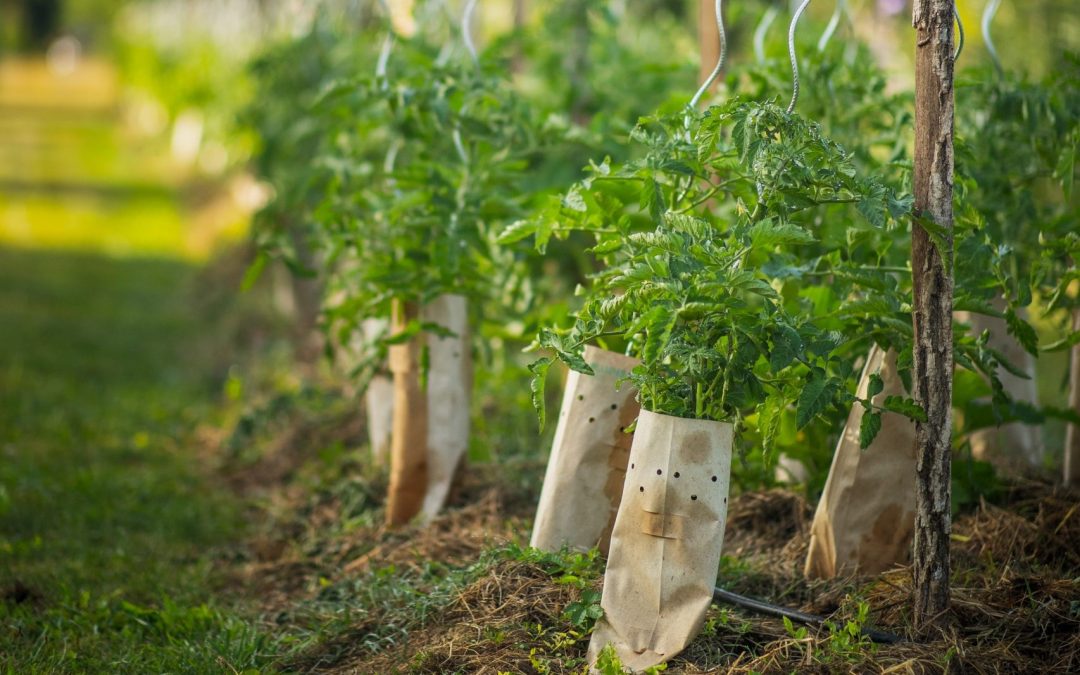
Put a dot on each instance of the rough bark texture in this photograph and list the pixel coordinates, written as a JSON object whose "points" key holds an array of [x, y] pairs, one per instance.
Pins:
{"points": [[932, 308], [1072, 435]]}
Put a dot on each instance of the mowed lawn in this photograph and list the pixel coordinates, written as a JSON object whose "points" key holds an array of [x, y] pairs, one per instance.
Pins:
{"points": [[114, 536]]}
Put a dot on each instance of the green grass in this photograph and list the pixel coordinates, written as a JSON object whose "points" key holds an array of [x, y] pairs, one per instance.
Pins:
{"points": [[110, 530]]}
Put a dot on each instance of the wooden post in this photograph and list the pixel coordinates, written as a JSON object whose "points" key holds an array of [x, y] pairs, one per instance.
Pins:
{"points": [[408, 438], [708, 38], [1072, 434], [932, 305]]}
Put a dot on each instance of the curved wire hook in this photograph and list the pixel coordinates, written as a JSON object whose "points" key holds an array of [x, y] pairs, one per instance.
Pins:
{"points": [[762, 28], [834, 23], [794, 57], [987, 18], [388, 43], [959, 34], [719, 61], [466, 30]]}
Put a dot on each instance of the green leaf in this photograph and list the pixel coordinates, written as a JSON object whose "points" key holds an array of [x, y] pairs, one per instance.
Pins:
{"points": [[1023, 332], [816, 395], [1070, 340], [869, 428], [537, 384], [252, 274], [940, 237], [875, 386], [660, 321], [768, 234], [905, 406], [770, 412], [787, 345], [516, 231]]}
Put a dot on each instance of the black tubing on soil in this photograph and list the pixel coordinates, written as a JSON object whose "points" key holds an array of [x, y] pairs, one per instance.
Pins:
{"points": [[720, 595]]}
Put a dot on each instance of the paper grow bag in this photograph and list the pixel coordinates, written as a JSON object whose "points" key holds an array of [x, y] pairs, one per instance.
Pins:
{"points": [[1014, 447], [430, 424], [584, 479], [866, 516], [449, 397], [665, 547], [379, 401]]}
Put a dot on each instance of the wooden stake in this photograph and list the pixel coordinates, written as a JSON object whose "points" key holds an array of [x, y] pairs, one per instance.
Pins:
{"points": [[932, 308], [708, 39], [408, 439], [1072, 435]]}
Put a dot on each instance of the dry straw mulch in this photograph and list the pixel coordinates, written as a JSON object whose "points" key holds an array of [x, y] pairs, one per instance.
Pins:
{"points": [[1016, 587]]}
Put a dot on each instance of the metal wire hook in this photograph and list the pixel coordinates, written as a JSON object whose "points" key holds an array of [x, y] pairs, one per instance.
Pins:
{"points": [[762, 28], [834, 23], [466, 30], [794, 57], [388, 43], [959, 34], [987, 18], [719, 61]]}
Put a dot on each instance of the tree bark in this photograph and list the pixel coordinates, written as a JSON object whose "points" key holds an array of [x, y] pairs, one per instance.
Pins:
{"points": [[1072, 434], [932, 306]]}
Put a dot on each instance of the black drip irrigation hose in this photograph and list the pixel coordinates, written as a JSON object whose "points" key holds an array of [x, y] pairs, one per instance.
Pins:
{"points": [[720, 595]]}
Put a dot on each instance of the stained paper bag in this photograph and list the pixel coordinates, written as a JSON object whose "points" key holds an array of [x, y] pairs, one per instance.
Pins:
{"points": [[584, 479], [866, 515], [430, 424], [449, 397], [665, 547], [379, 401]]}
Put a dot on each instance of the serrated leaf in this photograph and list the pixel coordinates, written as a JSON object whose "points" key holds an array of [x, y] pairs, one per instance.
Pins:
{"points": [[1023, 332], [787, 345], [816, 395], [904, 406], [515, 232], [869, 428], [768, 234], [660, 322], [606, 246], [770, 412]]}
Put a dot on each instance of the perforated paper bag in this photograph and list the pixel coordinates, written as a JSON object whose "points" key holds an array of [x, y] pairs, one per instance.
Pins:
{"points": [[584, 479], [665, 547], [866, 515]]}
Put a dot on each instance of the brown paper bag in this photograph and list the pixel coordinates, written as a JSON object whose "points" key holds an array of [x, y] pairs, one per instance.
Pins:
{"points": [[379, 401], [430, 426], [449, 397], [866, 515], [665, 548], [1014, 447], [584, 479]]}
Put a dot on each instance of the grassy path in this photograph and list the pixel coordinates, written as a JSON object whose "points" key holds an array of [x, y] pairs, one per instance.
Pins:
{"points": [[113, 537]]}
